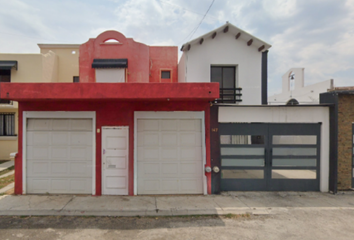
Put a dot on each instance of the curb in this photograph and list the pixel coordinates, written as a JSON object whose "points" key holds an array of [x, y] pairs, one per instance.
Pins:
{"points": [[167, 213]]}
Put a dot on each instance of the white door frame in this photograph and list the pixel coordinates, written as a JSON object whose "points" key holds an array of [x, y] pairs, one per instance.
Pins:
{"points": [[102, 167], [168, 115], [59, 114]]}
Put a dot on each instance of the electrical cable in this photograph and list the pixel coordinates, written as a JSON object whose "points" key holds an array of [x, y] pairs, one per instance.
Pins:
{"points": [[195, 29]]}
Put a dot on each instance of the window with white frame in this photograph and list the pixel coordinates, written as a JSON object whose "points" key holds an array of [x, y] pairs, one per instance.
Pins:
{"points": [[7, 124]]}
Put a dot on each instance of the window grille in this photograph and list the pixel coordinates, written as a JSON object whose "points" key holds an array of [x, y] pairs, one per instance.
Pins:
{"points": [[7, 124]]}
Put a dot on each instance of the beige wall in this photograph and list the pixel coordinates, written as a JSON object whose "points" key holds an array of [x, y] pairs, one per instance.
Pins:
{"points": [[8, 144], [29, 67], [55, 63], [50, 67], [33, 67], [68, 59]]}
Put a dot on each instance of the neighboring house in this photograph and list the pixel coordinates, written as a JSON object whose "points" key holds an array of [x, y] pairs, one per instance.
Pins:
{"points": [[54, 63], [233, 58], [126, 128], [342, 135], [137, 122], [255, 147], [294, 90]]}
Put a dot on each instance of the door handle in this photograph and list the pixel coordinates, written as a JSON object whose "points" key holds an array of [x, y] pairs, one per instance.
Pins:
{"points": [[265, 156]]}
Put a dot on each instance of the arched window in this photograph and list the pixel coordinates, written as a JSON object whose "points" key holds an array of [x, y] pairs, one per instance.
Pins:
{"points": [[292, 101]]}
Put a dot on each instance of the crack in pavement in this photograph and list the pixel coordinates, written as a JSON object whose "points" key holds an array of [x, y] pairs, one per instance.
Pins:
{"points": [[157, 210], [217, 204], [72, 198], [243, 202], [29, 202]]}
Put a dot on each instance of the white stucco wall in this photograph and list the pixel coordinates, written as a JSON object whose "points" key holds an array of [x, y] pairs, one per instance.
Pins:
{"points": [[303, 94], [286, 115], [306, 95], [299, 79], [225, 50], [182, 68]]}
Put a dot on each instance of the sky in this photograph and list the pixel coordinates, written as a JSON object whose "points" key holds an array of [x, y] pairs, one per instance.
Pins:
{"points": [[317, 35]]}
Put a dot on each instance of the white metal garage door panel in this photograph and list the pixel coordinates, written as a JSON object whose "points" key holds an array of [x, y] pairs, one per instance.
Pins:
{"points": [[169, 156], [59, 156]]}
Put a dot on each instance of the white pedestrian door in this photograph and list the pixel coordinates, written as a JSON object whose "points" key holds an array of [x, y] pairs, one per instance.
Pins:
{"points": [[115, 145]]}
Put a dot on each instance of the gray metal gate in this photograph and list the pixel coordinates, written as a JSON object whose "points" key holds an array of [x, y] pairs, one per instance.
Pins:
{"points": [[269, 157]]}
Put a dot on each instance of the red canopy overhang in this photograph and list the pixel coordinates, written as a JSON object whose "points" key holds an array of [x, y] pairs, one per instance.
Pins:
{"points": [[109, 91]]}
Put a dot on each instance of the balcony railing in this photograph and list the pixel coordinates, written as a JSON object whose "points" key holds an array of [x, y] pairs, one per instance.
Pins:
{"points": [[5, 101], [229, 95]]}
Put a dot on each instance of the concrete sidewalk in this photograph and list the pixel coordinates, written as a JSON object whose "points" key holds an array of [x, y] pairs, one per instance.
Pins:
{"points": [[7, 174], [6, 165], [230, 202]]}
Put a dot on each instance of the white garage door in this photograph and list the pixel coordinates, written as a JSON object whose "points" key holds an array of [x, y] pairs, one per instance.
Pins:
{"points": [[170, 156], [59, 156]]}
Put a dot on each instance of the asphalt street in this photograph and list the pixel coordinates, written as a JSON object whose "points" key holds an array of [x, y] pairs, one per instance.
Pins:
{"points": [[290, 224]]}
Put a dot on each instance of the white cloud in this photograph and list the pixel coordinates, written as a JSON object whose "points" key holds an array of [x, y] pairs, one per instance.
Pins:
{"points": [[21, 26], [280, 8], [314, 34], [322, 44], [154, 21]]}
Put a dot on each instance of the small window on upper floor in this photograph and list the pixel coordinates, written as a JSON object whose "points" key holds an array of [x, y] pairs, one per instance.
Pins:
{"points": [[165, 74], [226, 77], [5, 75], [76, 79], [110, 70]]}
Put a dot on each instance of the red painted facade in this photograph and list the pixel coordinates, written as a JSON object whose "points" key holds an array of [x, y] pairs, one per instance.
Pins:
{"points": [[144, 62], [109, 91], [115, 103], [111, 113]]}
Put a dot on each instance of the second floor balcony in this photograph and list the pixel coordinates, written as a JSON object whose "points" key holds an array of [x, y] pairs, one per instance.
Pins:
{"points": [[230, 95]]}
